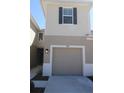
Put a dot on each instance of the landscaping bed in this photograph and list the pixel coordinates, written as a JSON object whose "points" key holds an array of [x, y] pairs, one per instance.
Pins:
{"points": [[40, 77], [37, 90], [90, 77]]}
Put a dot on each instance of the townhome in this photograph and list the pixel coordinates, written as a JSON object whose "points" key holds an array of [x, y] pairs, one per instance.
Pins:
{"points": [[68, 39]]}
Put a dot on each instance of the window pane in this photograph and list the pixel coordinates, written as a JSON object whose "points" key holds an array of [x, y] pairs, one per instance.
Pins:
{"points": [[40, 36], [67, 19], [67, 11]]}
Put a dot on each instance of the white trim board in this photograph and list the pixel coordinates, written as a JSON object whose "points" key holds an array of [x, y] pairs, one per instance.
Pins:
{"points": [[88, 69], [47, 67]]}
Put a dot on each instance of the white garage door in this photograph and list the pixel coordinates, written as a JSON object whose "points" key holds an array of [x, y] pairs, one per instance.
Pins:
{"points": [[67, 61]]}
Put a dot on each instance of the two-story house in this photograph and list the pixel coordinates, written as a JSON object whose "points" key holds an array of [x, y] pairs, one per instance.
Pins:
{"points": [[68, 45]]}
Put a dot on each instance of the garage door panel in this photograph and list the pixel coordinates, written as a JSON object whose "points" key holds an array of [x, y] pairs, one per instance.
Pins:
{"points": [[67, 61]]}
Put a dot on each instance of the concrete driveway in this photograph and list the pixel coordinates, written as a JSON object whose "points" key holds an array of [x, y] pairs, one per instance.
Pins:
{"points": [[69, 84]]}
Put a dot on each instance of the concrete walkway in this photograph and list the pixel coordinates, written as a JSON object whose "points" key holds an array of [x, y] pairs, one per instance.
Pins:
{"points": [[69, 84]]}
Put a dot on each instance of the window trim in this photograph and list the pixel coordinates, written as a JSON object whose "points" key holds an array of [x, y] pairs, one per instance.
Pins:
{"points": [[63, 15]]}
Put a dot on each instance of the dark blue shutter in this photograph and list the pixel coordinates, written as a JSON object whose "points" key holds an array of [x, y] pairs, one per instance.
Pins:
{"points": [[75, 15], [60, 15]]}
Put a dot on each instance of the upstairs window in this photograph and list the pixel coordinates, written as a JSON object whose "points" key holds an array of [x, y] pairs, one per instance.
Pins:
{"points": [[40, 36], [67, 15]]}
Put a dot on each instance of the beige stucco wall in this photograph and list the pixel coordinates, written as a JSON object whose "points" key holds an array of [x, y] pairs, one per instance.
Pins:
{"points": [[72, 40], [33, 56], [33, 47], [52, 17]]}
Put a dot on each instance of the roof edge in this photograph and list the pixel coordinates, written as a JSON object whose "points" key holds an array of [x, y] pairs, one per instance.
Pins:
{"points": [[33, 21]]}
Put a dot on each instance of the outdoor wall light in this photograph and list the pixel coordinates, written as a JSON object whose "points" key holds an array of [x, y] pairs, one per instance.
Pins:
{"points": [[46, 51]]}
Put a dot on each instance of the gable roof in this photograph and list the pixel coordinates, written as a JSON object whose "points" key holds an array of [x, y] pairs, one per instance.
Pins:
{"points": [[34, 25]]}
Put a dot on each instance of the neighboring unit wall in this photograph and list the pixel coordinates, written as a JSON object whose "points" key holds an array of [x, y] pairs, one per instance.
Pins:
{"points": [[33, 56], [35, 43], [32, 36], [34, 50], [54, 28]]}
